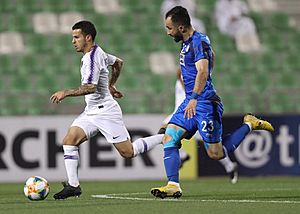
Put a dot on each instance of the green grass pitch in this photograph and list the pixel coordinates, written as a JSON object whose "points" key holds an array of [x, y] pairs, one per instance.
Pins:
{"points": [[206, 195]]}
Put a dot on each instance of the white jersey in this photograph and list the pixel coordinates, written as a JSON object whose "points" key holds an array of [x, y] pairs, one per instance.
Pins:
{"points": [[94, 71], [102, 113], [179, 98], [179, 94]]}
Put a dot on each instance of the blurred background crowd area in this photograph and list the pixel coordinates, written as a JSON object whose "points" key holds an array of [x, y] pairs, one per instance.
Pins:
{"points": [[257, 45]]}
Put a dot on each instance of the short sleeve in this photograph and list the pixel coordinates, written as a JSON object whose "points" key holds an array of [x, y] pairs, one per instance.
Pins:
{"points": [[202, 49], [198, 50], [110, 59]]}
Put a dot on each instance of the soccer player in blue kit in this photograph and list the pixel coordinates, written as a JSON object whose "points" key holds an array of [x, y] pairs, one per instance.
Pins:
{"points": [[202, 108]]}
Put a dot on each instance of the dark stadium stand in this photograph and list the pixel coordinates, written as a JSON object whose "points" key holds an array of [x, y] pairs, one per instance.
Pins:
{"points": [[261, 82]]}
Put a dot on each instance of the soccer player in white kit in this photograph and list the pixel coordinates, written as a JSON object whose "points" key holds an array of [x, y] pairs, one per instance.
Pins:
{"points": [[102, 113]]}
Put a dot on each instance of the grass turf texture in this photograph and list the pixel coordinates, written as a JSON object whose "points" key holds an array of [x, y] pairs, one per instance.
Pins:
{"points": [[206, 195]]}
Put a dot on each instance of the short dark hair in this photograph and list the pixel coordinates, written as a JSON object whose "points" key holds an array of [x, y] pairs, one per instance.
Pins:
{"points": [[179, 16], [87, 28]]}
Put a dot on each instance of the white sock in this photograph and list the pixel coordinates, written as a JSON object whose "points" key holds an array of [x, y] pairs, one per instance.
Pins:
{"points": [[71, 157], [198, 137], [250, 125], [182, 154], [145, 144], [174, 183], [227, 163]]}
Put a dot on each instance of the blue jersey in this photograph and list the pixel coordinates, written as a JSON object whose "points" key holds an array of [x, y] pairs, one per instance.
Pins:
{"points": [[194, 49], [209, 109]]}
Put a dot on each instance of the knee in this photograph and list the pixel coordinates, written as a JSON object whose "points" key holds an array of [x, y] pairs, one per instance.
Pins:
{"points": [[170, 142], [74, 137], [70, 140], [166, 139], [172, 137], [126, 153]]}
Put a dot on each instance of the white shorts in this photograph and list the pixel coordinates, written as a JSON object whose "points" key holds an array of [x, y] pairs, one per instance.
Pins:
{"points": [[105, 118]]}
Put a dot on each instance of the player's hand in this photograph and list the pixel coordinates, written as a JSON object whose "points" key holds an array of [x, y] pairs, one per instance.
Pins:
{"points": [[57, 97], [190, 109], [114, 92]]}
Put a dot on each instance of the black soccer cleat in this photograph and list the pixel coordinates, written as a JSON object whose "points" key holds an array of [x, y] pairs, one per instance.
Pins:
{"points": [[67, 191]]}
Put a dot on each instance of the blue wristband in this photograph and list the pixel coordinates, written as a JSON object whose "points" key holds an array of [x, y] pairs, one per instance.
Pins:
{"points": [[194, 96]]}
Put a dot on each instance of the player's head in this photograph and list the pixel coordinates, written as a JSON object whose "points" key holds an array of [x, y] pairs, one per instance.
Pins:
{"points": [[84, 33], [177, 22]]}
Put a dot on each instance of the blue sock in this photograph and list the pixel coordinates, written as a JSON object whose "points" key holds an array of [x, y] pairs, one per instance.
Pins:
{"points": [[172, 163], [232, 141]]}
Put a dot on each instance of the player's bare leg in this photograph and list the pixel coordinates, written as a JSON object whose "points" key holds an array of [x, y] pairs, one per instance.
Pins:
{"points": [[230, 167]]}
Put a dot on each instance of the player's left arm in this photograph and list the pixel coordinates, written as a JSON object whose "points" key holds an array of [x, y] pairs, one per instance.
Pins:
{"points": [[200, 82], [116, 70], [85, 89]]}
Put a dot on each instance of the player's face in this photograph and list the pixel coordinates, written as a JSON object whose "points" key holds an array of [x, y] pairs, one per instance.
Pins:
{"points": [[79, 40], [173, 30]]}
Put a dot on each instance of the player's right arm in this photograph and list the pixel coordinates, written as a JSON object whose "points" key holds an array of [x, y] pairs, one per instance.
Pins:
{"points": [[85, 89]]}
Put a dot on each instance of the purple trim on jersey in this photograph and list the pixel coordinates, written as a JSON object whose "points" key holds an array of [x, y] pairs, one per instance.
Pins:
{"points": [[72, 157], [92, 69], [145, 146]]}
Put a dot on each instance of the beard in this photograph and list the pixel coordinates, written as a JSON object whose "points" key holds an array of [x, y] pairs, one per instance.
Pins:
{"points": [[178, 37]]}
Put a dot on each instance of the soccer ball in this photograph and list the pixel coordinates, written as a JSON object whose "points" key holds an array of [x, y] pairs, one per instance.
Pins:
{"points": [[36, 188]]}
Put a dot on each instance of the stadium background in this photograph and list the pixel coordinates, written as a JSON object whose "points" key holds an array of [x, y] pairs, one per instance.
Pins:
{"points": [[265, 83]]}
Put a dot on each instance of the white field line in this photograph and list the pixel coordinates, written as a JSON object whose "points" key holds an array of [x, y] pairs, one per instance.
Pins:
{"points": [[127, 196]]}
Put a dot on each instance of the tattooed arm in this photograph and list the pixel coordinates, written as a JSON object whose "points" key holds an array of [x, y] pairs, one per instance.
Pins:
{"points": [[85, 89], [116, 69]]}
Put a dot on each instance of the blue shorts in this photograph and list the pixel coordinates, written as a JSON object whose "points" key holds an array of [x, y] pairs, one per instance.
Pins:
{"points": [[208, 119]]}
